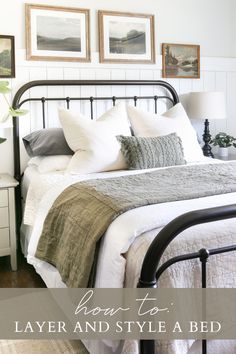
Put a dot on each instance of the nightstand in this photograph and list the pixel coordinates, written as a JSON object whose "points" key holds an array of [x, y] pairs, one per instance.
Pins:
{"points": [[7, 218], [230, 157]]}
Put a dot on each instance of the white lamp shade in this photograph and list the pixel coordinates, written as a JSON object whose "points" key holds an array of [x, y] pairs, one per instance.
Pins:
{"points": [[206, 105]]}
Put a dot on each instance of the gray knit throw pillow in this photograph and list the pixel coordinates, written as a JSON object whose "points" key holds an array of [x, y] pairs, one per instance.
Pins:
{"points": [[151, 152]]}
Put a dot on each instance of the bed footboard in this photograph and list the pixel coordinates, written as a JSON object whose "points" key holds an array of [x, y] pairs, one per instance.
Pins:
{"points": [[151, 269]]}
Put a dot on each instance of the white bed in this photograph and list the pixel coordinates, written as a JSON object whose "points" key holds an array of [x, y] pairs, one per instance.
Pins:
{"points": [[122, 248], [145, 221], [30, 172], [128, 237], [26, 230]]}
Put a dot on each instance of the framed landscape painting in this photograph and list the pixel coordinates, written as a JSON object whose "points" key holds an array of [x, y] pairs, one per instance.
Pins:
{"points": [[7, 56], [126, 37], [57, 33], [181, 60]]}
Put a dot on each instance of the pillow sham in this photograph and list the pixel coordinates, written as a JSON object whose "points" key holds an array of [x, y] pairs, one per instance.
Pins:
{"points": [[94, 142], [47, 164], [46, 142], [174, 120], [151, 152]]}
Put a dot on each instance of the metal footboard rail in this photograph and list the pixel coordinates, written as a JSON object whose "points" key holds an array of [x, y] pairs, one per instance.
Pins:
{"points": [[151, 271]]}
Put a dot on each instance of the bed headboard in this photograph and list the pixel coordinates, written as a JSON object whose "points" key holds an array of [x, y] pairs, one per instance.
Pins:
{"points": [[168, 93], [31, 93]]}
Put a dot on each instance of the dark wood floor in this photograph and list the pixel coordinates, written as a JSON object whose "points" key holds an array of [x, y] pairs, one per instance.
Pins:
{"points": [[24, 277]]}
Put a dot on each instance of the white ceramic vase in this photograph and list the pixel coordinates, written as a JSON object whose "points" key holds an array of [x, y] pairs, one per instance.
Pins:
{"points": [[223, 151]]}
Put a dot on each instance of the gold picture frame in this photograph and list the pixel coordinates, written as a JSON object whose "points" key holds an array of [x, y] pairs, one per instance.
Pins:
{"points": [[181, 61], [57, 33], [126, 37]]}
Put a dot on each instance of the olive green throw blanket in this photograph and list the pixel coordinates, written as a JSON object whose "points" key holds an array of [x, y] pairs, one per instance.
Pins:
{"points": [[82, 213]]}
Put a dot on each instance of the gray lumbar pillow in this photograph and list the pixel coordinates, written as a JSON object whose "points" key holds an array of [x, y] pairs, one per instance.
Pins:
{"points": [[151, 152], [47, 142]]}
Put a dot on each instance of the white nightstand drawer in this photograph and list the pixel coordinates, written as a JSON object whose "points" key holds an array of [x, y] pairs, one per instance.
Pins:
{"points": [[3, 198], [4, 218], [7, 218], [4, 238]]}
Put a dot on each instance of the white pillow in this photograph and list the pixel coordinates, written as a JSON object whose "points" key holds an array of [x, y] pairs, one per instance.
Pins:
{"points": [[94, 142], [51, 163], [174, 120]]}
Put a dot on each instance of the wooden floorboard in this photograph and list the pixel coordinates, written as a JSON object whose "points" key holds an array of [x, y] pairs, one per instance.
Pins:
{"points": [[24, 277]]}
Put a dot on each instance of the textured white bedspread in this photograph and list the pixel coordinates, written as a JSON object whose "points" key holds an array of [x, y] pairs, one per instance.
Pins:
{"points": [[128, 238]]}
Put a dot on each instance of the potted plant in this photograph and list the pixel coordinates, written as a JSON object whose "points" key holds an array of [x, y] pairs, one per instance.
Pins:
{"points": [[223, 141], [4, 89]]}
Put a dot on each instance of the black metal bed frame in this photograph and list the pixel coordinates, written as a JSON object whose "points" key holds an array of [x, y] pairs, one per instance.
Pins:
{"points": [[171, 96], [151, 271]]}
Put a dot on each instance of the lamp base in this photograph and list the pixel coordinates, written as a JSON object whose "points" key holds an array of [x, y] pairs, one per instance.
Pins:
{"points": [[207, 138], [207, 151]]}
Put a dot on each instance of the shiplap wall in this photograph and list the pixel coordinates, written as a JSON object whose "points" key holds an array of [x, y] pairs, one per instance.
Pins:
{"points": [[216, 74]]}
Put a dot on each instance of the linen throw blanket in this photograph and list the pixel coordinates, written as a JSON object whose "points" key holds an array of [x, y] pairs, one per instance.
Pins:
{"points": [[82, 213]]}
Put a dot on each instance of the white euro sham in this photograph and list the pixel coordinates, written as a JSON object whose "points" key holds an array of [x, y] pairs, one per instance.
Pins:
{"points": [[94, 141], [175, 120]]}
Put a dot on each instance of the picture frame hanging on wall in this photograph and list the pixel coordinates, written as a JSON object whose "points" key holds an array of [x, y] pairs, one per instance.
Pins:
{"points": [[57, 33], [7, 56], [126, 37], [180, 61]]}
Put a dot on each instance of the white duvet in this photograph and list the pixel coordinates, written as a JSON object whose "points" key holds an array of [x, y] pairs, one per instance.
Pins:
{"points": [[122, 249]]}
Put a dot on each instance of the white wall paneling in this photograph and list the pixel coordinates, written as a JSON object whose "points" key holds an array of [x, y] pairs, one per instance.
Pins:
{"points": [[231, 95], [215, 75]]}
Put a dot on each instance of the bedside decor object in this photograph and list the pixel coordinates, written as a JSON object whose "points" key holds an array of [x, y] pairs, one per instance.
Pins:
{"points": [[206, 105], [223, 141], [229, 157], [126, 37], [7, 218], [57, 33], [181, 60], [7, 56], [4, 90]]}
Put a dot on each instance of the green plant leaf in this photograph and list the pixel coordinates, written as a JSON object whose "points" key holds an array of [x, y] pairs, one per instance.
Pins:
{"points": [[2, 140], [4, 87], [223, 140], [17, 112], [4, 117], [4, 90], [4, 83]]}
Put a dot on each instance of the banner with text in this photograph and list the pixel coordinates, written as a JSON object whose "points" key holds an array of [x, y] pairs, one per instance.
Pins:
{"points": [[118, 313]]}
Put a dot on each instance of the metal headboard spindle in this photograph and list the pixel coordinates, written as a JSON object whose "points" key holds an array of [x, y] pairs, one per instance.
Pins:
{"points": [[171, 96]]}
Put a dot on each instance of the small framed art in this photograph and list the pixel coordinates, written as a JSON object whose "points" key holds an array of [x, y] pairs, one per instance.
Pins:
{"points": [[7, 56], [57, 33], [181, 60], [126, 37]]}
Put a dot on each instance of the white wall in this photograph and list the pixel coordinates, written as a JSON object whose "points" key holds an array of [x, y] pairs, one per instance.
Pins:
{"points": [[208, 23], [233, 28]]}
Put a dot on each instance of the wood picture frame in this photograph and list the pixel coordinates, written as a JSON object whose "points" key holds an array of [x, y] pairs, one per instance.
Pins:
{"points": [[57, 33], [181, 61], [7, 56], [126, 37]]}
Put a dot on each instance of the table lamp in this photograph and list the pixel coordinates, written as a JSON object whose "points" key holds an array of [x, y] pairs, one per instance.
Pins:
{"points": [[206, 105]]}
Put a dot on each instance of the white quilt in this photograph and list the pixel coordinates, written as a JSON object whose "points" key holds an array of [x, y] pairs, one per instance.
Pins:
{"points": [[127, 240]]}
